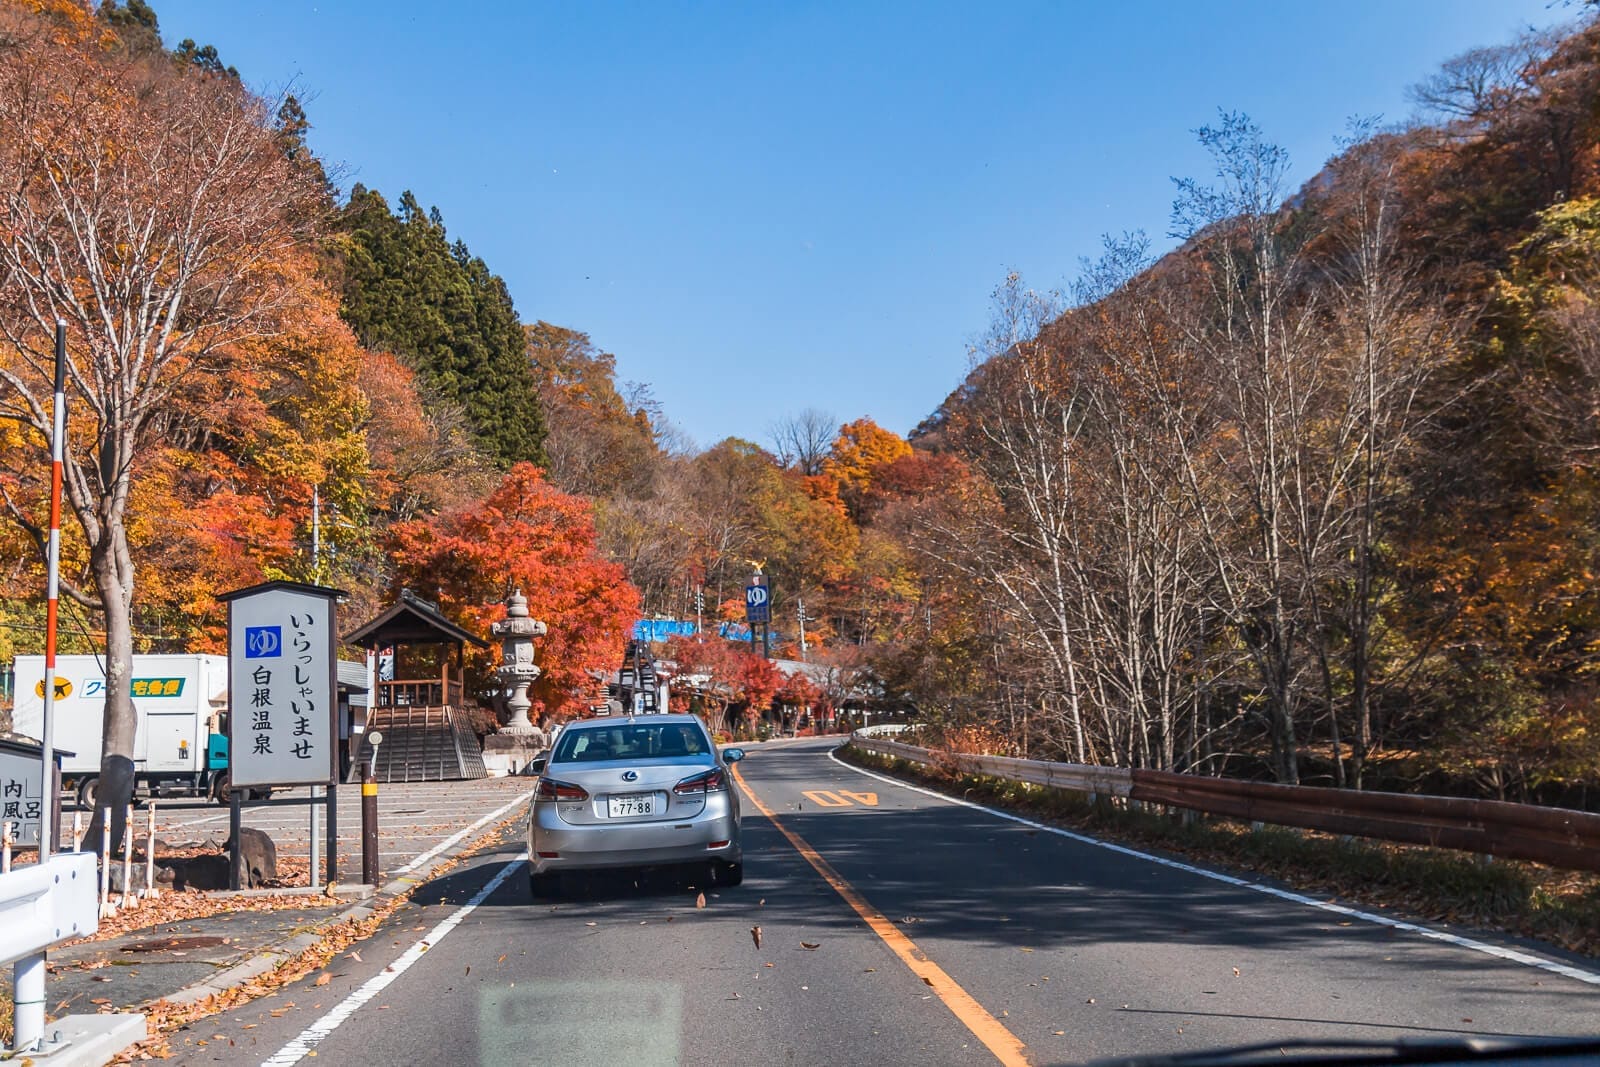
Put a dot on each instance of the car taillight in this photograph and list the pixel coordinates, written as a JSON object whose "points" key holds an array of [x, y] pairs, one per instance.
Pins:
{"points": [[550, 789], [709, 782]]}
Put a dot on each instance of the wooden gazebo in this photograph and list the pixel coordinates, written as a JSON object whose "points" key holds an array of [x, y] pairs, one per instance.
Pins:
{"points": [[427, 731]]}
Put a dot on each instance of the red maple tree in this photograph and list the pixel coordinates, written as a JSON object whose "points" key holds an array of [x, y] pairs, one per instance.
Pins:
{"points": [[526, 535]]}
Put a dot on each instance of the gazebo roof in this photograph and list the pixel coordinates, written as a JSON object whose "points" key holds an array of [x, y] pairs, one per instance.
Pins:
{"points": [[411, 621]]}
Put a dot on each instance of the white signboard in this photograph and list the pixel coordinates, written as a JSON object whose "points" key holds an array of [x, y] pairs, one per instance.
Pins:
{"points": [[21, 794], [281, 691]]}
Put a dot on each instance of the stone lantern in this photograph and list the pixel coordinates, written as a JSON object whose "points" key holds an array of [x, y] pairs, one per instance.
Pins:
{"points": [[517, 669]]}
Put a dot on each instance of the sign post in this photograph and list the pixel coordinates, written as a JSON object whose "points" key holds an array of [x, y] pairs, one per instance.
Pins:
{"points": [[369, 813], [282, 697], [758, 610]]}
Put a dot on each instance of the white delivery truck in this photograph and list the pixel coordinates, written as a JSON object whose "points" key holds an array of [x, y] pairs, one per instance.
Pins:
{"points": [[181, 743]]}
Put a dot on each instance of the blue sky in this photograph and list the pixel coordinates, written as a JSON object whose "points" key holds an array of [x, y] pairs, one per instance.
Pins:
{"points": [[766, 207]]}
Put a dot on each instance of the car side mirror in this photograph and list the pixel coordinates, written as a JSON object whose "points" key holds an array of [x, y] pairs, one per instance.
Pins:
{"points": [[732, 755], [538, 764]]}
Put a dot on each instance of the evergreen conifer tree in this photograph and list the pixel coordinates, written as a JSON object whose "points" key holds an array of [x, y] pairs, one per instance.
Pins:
{"points": [[409, 291]]}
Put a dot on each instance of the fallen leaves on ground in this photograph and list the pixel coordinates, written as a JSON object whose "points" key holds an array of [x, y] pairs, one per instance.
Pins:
{"points": [[186, 906], [755, 935], [700, 901], [809, 944], [163, 1017]]}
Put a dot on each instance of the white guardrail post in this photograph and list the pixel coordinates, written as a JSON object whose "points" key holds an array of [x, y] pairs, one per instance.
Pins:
{"points": [[39, 906]]}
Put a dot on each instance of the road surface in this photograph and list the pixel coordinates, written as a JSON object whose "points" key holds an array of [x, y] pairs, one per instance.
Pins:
{"points": [[895, 927]]}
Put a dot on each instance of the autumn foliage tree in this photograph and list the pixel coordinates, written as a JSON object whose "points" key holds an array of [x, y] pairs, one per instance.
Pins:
{"points": [[528, 535], [859, 454], [726, 675], [150, 207]]}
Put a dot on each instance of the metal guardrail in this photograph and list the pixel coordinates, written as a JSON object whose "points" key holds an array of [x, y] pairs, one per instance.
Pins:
{"points": [[1104, 781], [39, 906], [1556, 836]]}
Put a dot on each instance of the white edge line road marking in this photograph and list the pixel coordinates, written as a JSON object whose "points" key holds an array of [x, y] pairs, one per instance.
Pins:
{"points": [[1512, 955], [314, 1034], [447, 842]]}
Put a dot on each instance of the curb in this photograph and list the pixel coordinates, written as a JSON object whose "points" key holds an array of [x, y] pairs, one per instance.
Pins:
{"points": [[340, 890], [85, 1040], [405, 880]]}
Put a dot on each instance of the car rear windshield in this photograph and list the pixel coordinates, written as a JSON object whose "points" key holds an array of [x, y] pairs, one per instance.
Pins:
{"points": [[630, 741]]}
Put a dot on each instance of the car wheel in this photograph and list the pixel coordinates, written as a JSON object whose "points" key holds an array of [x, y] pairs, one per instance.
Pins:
{"points": [[88, 792], [543, 885], [730, 873]]}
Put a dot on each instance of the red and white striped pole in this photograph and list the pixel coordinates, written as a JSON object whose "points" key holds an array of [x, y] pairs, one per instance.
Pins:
{"points": [[58, 445], [28, 973]]}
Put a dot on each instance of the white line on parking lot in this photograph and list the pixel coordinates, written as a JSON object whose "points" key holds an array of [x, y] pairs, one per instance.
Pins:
{"points": [[296, 1050], [447, 842], [200, 822]]}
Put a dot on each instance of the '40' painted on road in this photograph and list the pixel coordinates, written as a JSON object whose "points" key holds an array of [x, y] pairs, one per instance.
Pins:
{"points": [[828, 798]]}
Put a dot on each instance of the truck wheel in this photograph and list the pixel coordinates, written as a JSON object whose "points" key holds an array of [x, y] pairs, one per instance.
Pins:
{"points": [[221, 787], [88, 793]]}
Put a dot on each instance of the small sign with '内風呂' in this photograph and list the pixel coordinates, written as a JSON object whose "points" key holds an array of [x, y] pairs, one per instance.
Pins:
{"points": [[21, 791]]}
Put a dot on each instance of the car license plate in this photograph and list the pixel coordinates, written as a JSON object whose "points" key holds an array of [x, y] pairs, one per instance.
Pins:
{"points": [[620, 807]]}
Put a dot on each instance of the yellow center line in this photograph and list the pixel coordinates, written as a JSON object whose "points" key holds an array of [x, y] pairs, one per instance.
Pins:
{"points": [[984, 1026]]}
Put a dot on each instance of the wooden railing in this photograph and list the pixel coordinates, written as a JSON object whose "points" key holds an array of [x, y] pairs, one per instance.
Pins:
{"points": [[419, 692], [1560, 837]]}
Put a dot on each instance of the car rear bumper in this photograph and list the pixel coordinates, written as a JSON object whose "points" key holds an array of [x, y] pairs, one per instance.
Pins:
{"points": [[628, 845]]}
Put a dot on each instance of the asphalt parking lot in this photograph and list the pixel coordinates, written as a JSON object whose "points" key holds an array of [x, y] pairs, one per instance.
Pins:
{"points": [[415, 820]]}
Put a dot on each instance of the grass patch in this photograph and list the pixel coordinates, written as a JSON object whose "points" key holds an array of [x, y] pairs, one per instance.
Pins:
{"points": [[1441, 886]]}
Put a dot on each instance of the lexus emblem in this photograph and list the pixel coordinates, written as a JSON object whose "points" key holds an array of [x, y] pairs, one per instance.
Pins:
{"points": [[630, 776]]}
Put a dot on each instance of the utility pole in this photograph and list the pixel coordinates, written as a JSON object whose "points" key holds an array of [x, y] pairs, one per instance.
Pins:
{"points": [[699, 608], [800, 612]]}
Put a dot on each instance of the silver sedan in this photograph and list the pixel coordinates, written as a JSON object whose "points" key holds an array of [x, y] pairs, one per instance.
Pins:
{"points": [[634, 792]]}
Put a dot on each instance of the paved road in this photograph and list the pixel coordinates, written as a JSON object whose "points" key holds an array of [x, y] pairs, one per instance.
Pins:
{"points": [[943, 934]]}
